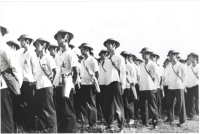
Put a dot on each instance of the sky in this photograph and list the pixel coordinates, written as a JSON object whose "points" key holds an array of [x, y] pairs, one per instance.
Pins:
{"points": [[159, 25]]}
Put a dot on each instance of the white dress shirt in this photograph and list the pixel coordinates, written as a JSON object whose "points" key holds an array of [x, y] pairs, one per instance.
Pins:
{"points": [[192, 78], [146, 83], [8, 60], [130, 74], [166, 75], [57, 59], [174, 81], [112, 73], [137, 69], [92, 63], [102, 74], [48, 63], [28, 64]]}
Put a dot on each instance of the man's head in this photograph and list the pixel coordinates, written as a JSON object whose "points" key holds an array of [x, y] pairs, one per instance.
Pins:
{"points": [[85, 49], [194, 58], [111, 44], [25, 40], [173, 55], [103, 54], [41, 44], [63, 37], [13, 45], [3, 30], [154, 57], [146, 53], [53, 49]]}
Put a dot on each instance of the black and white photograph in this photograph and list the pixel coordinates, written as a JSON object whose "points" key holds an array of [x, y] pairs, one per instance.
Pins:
{"points": [[99, 66]]}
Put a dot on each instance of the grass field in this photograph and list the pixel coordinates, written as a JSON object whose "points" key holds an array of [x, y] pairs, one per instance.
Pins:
{"points": [[191, 126]]}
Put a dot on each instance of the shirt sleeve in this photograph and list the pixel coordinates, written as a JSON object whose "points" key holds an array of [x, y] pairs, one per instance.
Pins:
{"points": [[14, 64], [73, 59], [122, 69], [51, 63], [33, 60], [96, 66]]}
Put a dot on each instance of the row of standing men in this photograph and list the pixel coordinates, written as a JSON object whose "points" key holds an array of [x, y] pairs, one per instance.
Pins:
{"points": [[58, 90]]}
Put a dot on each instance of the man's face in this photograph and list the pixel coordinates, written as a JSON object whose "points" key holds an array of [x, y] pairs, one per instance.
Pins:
{"points": [[22, 42], [83, 50], [13, 47], [130, 58], [103, 55], [110, 47], [191, 59], [53, 51], [172, 57], [39, 46], [145, 56], [61, 41]]}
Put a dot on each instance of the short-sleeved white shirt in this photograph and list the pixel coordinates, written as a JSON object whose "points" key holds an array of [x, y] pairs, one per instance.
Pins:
{"points": [[49, 64], [102, 75], [92, 63], [28, 64], [192, 73]]}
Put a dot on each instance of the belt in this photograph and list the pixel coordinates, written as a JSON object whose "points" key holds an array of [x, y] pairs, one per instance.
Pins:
{"points": [[29, 83]]}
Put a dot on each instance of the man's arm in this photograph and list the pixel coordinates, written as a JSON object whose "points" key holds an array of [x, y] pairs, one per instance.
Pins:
{"points": [[75, 74]]}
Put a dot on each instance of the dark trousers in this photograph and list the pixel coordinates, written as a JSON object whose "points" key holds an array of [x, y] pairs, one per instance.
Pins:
{"points": [[137, 102], [148, 102], [7, 124], [159, 102], [65, 112], [88, 104], [45, 109], [128, 105], [76, 98], [177, 94], [100, 102], [27, 96], [164, 100], [192, 101], [114, 104]]}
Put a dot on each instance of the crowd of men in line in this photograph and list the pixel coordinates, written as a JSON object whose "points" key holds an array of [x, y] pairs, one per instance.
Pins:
{"points": [[59, 88]]}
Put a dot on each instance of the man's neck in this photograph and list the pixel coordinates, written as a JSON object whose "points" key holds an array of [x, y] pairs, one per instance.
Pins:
{"points": [[26, 48], [42, 53], [112, 53], [147, 61], [86, 55], [194, 64], [65, 47], [174, 62]]}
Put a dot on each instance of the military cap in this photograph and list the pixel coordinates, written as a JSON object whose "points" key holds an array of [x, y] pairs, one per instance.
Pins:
{"points": [[85, 45], [112, 40], [103, 50], [146, 50], [14, 43], [25, 36], [173, 52], [71, 36], [43, 40]]}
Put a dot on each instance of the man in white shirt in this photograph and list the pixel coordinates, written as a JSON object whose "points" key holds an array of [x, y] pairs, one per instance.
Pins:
{"points": [[45, 74], [116, 83], [148, 88], [102, 83], [89, 68], [7, 60], [28, 64], [127, 96], [192, 102], [132, 60], [68, 76], [177, 81]]}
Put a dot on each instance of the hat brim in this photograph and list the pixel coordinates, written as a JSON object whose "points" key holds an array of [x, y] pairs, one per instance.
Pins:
{"points": [[5, 31], [17, 46], [70, 34], [25, 38], [48, 44], [146, 52], [116, 42], [86, 46]]}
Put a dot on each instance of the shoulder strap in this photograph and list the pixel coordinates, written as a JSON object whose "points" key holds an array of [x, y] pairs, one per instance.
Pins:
{"points": [[102, 66], [177, 74], [115, 66], [194, 73], [149, 73], [85, 68], [44, 71]]}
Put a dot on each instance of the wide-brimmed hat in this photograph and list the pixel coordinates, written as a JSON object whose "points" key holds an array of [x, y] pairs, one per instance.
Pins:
{"points": [[4, 30], [137, 59], [25, 36], [41, 39], [153, 54], [124, 53], [102, 51], [53, 45], [146, 50], [112, 41], [13, 43], [85, 45], [173, 52], [71, 36], [71, 46], [194, 54]]}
